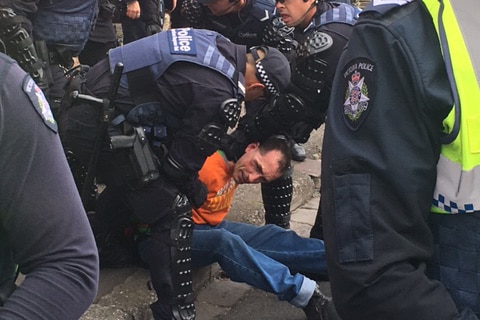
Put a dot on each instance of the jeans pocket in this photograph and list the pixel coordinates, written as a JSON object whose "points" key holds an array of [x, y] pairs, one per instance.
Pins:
{"points": [[352, 217]]}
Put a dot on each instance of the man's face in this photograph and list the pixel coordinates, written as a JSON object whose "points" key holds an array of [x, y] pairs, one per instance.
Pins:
{"points": [[295, 12], [254, 167], [222, 7]]}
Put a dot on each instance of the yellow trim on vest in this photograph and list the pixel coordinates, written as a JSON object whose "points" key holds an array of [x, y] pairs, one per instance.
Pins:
{"points": [[463, 151], [460, 160]]}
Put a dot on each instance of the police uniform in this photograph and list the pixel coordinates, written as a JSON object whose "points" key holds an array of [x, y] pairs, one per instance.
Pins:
{"points": [[383, 138], [44, 229], [192, 74], [302, 107], [313, 55], [335, 20], [250, 26], [43, 36]]}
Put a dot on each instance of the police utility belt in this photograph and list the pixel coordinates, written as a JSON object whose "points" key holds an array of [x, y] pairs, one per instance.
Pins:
{"points": [[138, 139], [148, 131], [131, 149]]}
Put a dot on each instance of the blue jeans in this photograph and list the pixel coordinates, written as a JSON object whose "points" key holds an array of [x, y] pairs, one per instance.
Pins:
{"points": [[264, 257]]}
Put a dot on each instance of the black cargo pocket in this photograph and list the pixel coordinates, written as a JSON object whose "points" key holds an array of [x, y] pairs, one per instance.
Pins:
{"points": [[352, 217]]}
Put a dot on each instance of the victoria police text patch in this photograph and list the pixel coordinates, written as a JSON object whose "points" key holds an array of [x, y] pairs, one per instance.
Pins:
{"points": [[359, 82]]}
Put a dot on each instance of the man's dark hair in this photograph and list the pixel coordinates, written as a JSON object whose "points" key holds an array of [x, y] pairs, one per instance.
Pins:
{"points": [[281, 143]]}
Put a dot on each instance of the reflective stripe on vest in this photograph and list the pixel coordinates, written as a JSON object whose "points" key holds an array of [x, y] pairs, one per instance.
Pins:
{"points": [[458, 170], [263, 10], [342, 13]]}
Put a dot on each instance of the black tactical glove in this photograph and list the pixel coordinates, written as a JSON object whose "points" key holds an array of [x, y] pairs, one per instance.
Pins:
{"points": [[301, 131], [107, 10], [235, 144], [186, 182], [195, 190], [278, 35]]}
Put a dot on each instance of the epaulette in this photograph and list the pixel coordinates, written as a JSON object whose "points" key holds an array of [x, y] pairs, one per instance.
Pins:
{"points": [[262, 10], [342, 13]]}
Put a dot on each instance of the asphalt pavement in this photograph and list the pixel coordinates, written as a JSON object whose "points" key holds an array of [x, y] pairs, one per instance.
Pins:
{"points": [[124, 295]]}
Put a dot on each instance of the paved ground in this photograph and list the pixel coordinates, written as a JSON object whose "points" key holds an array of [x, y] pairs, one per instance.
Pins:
{"points": [[123, 293]]}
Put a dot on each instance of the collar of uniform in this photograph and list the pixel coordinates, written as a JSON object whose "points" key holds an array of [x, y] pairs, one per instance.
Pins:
{"points": [[241, 55], [322, 7]]}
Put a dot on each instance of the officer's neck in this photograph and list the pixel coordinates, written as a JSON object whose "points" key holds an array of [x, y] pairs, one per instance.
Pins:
{"points": [[304, 21]]}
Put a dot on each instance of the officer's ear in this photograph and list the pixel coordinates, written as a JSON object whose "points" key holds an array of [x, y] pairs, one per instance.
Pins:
{"points": [[258, 86], [255, 90]]}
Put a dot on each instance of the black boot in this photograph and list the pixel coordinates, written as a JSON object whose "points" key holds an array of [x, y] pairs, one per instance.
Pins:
{"points": [[298, 152], [165, 311], [320, 307], [161, 311]]}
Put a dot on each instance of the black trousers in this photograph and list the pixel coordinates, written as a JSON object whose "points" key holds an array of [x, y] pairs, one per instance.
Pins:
{"points": [[150, 204], [377, 262]]}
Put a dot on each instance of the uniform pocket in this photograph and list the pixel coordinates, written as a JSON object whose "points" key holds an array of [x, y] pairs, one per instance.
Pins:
{"points": [[352, 217]]}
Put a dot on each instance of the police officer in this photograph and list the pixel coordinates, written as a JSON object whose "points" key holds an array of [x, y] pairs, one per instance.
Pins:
{"points": [[314, 34], [181, 90], [243, 22], [320, 31], [404, 97], [58, 255], [44, 36], [254, 22], [298, 30]]}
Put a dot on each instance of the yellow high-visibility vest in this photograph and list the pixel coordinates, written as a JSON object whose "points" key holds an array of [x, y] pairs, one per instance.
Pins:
{"points": [[457, 188]]}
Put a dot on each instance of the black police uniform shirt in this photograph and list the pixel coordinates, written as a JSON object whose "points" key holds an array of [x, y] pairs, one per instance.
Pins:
{"points": [[42, 217], [65, 23], [189, 92], [340, 33], [381, 146]]}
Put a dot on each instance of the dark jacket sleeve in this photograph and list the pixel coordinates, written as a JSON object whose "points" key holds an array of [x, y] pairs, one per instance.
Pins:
{"points": [[316, 97], [41, 212], [382, 143], [194, 94]]}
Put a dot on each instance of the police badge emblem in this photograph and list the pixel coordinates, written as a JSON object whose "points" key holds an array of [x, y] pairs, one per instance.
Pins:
{"points": [[39, 102], [359, 83]]}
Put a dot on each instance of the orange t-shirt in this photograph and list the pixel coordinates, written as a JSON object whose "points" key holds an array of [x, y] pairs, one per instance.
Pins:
{"points": [[217, 176]]}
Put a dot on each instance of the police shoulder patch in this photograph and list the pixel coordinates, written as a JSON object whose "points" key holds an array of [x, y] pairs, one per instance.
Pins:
{"points": [[182, 41], [358, 79], [39, 102]]}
